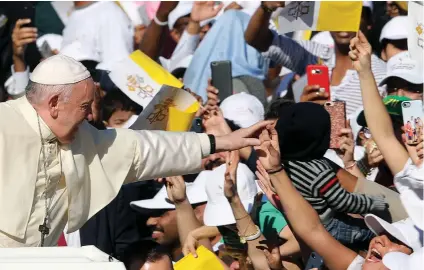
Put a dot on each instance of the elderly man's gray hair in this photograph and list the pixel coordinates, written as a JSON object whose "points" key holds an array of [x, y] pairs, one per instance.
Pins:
{"points": [[37, 92]]}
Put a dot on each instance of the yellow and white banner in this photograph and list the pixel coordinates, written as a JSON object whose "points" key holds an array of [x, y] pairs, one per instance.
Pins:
{"points": [[141, 78], [320, 16], [416, 31], [172, 109]]}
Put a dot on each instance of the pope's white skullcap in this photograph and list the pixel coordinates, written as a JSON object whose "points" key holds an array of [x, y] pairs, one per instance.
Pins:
{"points": [[59, 69]]}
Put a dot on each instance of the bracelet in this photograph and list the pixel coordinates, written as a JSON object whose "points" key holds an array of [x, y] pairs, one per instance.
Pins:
{"points": [[213, 143], [256, 235], [276, 171], [351, 166], [265, 8], [159, 22], [242, 217]]}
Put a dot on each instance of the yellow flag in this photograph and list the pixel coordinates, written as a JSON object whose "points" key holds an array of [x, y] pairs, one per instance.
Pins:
{"points": [[320, 16], [205, 260]]}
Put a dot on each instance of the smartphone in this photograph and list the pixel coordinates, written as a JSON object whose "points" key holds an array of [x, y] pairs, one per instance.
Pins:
{"points": [[337, 111], [412, 112], [222, 78], [314, 261], [318, 75], [28, 12]]}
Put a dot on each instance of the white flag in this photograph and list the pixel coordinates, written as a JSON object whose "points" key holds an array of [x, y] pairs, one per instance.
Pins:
{"points": [[416, 31]]}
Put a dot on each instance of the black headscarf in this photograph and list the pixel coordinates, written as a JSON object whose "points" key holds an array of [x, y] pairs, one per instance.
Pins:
{"points": [[303, 131]]}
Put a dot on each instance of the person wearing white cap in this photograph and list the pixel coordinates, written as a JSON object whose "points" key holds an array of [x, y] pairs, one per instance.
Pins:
{"points": [[243, 109], [393, 37], [200, 14], [68, 161], [175, 210], [405, 164], [404, 76]]}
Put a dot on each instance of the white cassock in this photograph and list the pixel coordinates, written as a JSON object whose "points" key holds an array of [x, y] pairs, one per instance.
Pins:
{"points": [[94, 165]]}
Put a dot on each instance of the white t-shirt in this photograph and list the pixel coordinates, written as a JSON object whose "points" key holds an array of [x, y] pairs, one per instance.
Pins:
{"points": [[356, 264], [104, 32], [410, 184]]}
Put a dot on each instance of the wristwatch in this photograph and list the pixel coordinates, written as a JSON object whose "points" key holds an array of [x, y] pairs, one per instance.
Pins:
{"points": [[213, 143]]}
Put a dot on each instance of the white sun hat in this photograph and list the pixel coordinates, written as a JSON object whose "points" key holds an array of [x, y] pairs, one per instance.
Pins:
{"points": [[218, 210]]}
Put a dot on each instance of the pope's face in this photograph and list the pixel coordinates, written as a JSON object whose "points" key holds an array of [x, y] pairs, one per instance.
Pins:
{"points": [[72, 112]]}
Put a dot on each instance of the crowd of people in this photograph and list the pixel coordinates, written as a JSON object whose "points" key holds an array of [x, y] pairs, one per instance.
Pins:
{"points": [[271, 177]]}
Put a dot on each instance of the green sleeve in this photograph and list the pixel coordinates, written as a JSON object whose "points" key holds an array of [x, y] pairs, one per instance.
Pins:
{"points": [[271, 220]]}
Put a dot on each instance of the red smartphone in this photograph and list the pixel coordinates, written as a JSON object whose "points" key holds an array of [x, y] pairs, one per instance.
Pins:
{"points": [[318, 75], [337, 111]]}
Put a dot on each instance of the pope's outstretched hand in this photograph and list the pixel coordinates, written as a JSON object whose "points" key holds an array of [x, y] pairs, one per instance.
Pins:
{"points": [[241, 138]]}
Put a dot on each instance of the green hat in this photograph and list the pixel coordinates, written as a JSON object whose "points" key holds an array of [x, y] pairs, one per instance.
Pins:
{"points": [[394, 108]]}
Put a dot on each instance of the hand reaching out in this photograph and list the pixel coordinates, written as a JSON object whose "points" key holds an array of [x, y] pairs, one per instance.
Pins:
{"points": [[266, 186], [347, 146], [230, 183], [269, 150], [273, 258], [360, 53], [205, 10], [176, 189]]}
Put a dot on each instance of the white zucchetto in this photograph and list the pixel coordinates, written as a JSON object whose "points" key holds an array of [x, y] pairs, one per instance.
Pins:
{"points": [[59, 69]]}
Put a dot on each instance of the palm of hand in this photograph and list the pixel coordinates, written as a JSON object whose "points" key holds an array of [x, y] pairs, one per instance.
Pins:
{"points": [[203, 10], [268, 155], [175, 194]]}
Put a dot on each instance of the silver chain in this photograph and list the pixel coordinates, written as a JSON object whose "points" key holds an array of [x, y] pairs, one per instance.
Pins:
{"points": [[47, 180]]}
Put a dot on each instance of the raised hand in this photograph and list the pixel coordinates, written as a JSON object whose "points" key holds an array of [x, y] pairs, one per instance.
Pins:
{"points": [[313, 94], [176, 189], [360, 53], [230, 183], [266, 185], [269, 150], [347, 146], [374, 156], [22, 36], [273, 258], [241, 138], [205, 10]]}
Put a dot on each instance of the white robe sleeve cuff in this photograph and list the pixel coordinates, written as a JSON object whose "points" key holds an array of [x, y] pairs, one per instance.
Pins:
{"points": [[21, 80]]}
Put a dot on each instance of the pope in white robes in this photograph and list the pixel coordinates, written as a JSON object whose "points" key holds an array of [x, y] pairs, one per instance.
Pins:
{"points": [[55, 165]]}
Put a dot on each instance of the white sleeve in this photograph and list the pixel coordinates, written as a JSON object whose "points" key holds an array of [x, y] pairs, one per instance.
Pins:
{"points": [[21, 80], [186, 46], [164, 153]]}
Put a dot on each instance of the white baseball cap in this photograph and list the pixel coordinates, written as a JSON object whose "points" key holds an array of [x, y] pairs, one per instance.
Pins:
{"points": [[218, 210], [403, 230], [243, 109], [402, 66], [195, 194], [395, 29], [401, 261]]}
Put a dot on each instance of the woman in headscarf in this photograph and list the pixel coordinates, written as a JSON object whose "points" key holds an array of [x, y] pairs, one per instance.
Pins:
{"points": [[304, 137]]}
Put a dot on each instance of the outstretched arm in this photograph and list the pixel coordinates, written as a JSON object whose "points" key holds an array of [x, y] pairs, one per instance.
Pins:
{"points": [[305, 221], [376, 115]]}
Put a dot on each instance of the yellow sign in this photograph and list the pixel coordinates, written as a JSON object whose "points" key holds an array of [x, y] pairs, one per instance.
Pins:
{"points": [[205, 260]]}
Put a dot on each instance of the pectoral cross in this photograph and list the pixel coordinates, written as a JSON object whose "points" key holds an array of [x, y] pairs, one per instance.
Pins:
{"points": [[44, 230]]}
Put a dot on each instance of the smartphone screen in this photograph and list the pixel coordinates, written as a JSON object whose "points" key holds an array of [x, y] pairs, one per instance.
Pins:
{"points": [[412, 112], [222, 78]]}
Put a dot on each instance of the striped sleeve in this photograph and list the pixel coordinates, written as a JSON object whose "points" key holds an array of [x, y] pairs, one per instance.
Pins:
{"points": [[337, 197], [292, 54]]}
